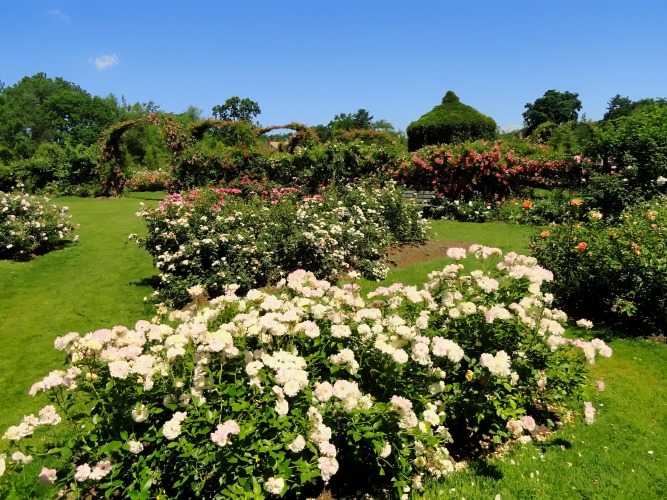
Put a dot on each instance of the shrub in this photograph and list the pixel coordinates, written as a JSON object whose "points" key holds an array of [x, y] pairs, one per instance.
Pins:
{"points": [[492, 171], [217, 237], [307, 168], [633, 147], [149, 180], [267, 394], [541, 208], [616, 274], [476, 209], [30, 226], [449, 123]]}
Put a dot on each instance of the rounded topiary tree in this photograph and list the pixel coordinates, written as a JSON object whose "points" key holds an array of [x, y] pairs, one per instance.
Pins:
{"points": [[448, 123]]}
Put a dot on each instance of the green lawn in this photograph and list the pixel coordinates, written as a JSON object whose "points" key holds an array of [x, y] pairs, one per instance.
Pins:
{"points": [[98, 282], [101, 281]]}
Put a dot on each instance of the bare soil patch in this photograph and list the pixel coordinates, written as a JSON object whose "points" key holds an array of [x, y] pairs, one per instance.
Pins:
{"points": [[405, 255]]}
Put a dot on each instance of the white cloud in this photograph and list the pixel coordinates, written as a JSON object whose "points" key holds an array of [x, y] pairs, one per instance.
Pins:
{"points": [[58, 14], [104, 62]]}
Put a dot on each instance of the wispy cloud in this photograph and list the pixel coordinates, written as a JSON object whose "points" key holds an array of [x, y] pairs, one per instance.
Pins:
{"points": [[104, 62], [58, 14]]}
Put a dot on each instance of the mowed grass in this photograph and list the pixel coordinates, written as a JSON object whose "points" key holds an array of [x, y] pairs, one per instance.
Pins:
{"points": [[96, 283], [101, 282], [623, 455]]}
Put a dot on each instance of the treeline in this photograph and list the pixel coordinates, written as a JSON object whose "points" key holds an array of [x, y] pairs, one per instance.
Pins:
{"points": [[52, 136]]}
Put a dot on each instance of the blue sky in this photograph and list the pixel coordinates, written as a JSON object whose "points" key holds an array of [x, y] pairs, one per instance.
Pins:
{"points": [[308, 61]]}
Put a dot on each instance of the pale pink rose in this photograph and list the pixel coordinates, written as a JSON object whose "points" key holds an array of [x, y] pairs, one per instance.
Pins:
{"points": [[328, 467], [82, 473], [298, 444], [515, 427], [456, 253], [528, 423], [100, 470], [135, 447], [47, 476], [48, 416], [222, 432], [386, 451], [324, 391], [589, 413], [274, 485]]}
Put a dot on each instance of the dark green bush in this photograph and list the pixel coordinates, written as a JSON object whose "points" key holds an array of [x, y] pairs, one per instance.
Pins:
{"points": [[307, 168], [449, 123]]}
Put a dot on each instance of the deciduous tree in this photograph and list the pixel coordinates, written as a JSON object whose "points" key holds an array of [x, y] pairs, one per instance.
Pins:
{"points": [[554, 106], [235, 109]]}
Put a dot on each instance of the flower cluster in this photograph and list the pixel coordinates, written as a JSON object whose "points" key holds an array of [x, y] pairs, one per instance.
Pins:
{"points": [[611, 273], [275, 391], [149, 180], [489, 171], [30, 225], [217, 237]]}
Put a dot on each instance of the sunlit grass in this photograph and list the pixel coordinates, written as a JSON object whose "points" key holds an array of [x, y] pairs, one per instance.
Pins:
{"points": [[101, 282], [98, 282]]}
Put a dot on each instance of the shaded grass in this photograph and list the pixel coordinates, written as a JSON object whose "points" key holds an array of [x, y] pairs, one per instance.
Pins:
{"points": [[98, 282]]}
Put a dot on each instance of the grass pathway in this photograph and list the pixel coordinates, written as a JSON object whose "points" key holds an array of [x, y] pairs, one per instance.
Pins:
{"points": [[98, 282]]}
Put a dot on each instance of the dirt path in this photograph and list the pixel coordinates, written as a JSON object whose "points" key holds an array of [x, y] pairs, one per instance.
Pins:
{"points": [[406, 255]]}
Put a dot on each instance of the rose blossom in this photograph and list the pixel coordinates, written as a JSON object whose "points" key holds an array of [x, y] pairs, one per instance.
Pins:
{"points": [[274, 485]]}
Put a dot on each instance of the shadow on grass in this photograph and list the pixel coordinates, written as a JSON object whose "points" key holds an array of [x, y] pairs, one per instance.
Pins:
{"points": [[52, 247], [150, 281], [146, 195], [486, 469], [556, 443]]}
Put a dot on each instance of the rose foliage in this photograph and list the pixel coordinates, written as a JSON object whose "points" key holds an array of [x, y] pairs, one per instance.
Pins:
{"points": [[261, 394], [217, 237]]}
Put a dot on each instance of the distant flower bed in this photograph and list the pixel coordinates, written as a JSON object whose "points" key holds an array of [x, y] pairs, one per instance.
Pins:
{"points": [[491, 171], [149, 180], [30, 225], [220, 236], [260, 394]]}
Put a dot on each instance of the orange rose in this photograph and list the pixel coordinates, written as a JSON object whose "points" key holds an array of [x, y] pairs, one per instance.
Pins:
{"points": [[544, 234], [527, 204], [576, 202], [582, 246]]}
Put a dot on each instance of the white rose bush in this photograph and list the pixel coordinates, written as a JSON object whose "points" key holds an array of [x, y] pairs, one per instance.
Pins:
{"points": [[278, 394], [216, 237], [30, 225]]}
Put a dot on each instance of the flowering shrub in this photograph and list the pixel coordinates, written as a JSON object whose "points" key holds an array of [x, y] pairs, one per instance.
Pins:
{"points": [[547, 207], [307, 168], [30, 226], [474, 210], [257, 395], [616, 274], [217, 237], [149, 180], [492, 172]]}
